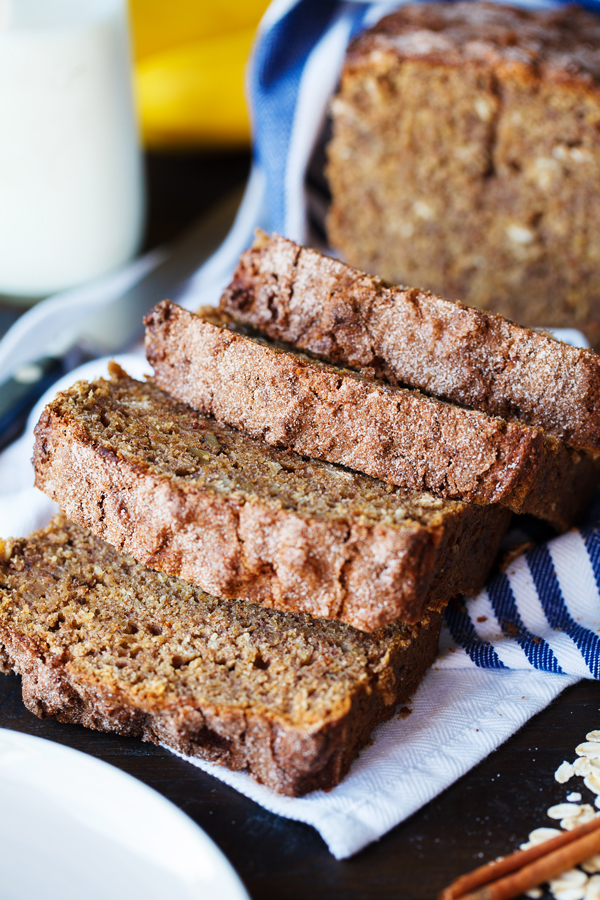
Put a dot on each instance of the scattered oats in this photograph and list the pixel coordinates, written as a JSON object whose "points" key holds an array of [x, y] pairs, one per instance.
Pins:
{"points": [[541, 835], [583, 767], [576, 884], [568, 893], [570, 885], [592, 781], [565, 771], [565, 810], [586, 815], [592, 864], [519, 234], [399, 513], [592, 888], [273, 467], [591, 750]]}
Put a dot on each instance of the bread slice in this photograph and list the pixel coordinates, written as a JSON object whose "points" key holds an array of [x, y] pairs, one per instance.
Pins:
{"points": [[398, 435], [410, 337], [101, 641], [200, 500]]}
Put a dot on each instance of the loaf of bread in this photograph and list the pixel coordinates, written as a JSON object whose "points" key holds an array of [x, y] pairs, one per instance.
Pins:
{"points": [[411, 337], [465, 158], [398, 435], [101, 641], [200, 500]]}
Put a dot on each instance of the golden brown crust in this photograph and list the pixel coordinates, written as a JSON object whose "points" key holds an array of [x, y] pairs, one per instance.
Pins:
{"points": [[103, 642], [308, 537], [400, 436], [410, 337]]}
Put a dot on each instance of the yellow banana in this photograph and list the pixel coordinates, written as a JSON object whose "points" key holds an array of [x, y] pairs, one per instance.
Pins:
{"points": [[193, 95], [160, 24]]}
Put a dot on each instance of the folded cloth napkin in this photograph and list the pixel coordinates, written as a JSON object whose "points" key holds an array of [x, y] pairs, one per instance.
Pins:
{"points": [[505, 654]]}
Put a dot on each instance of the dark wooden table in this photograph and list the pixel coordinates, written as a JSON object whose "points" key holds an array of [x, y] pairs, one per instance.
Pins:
{"points": [[485, 814]]}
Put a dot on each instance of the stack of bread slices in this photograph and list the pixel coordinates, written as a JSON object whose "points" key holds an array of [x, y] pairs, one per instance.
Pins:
{"points": [[257, 544]]}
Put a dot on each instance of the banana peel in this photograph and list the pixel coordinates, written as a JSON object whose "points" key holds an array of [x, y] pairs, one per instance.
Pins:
{"points": [[192, 95], [159, 25]]}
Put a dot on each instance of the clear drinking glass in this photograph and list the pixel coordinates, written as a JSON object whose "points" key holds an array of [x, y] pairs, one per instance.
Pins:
{"points": [[71, 181]]}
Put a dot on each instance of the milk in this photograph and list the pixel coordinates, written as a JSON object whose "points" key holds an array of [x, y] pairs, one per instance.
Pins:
{"points": [[71, 185]]}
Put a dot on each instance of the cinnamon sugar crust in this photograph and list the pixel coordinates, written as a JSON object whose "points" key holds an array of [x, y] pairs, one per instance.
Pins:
{"points": [[410, 337], [101, 641], [398, 435], [244, 520]]}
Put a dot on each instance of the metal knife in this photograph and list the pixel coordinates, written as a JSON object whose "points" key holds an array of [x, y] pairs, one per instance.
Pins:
{"points": [[119, 324]]}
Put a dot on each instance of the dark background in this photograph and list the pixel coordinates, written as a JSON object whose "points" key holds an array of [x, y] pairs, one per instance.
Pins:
{"points": [[485, 814]]}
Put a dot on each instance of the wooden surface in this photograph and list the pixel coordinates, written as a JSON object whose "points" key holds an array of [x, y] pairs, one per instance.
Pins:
{"points": [[485, 814]]}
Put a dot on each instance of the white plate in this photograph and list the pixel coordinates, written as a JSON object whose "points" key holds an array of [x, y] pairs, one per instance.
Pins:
{"points": [[73, 827]]}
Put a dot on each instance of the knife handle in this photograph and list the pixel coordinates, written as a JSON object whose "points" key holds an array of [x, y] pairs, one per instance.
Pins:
{"points": [[21, 391]]}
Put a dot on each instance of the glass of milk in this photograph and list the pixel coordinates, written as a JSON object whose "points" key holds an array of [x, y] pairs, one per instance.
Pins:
{"points": [[71, 180]]}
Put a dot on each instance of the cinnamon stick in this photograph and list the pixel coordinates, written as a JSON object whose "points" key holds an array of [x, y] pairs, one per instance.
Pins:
{"points": [[569, 844]]}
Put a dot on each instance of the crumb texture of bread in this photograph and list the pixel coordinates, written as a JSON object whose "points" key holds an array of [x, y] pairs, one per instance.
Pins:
{"points": [[413, 338], [465, 158], [101, 641], [400, 436], [244, 520]]}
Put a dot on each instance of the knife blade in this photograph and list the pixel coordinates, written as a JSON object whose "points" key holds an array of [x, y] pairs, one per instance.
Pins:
{"points": [[119, 324]]}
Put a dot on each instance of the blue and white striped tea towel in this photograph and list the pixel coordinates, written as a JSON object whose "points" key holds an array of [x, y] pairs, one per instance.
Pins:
{"points": [[505, 654]]}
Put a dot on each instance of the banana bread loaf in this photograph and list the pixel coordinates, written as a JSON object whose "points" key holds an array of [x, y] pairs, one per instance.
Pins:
{"points": [[398, 435], [101, 641], [410, 337], [200, 500], [465, 158]]}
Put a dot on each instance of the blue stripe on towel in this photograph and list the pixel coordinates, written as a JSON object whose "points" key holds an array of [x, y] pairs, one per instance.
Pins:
{"points": [[551, 598], [461, 628], [274, 81], [536, 649]]}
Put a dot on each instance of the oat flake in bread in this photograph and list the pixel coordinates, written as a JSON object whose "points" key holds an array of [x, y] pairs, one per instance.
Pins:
{"points": [[244, 520], [465, 158], [101, 641]]}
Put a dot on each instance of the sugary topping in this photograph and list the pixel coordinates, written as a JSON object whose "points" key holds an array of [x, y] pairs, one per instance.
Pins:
{"points": [[563, 42]]}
